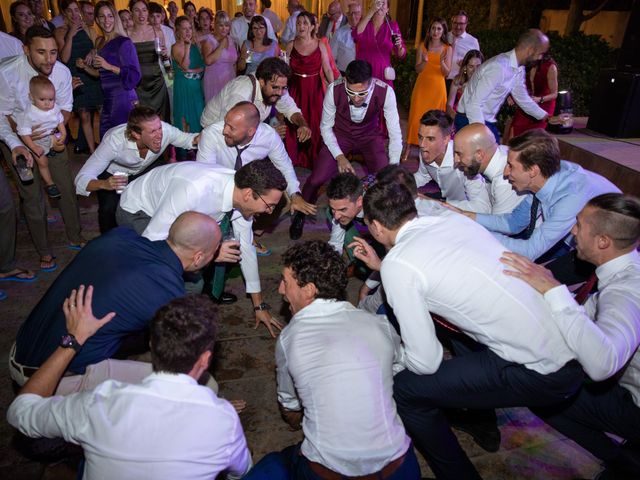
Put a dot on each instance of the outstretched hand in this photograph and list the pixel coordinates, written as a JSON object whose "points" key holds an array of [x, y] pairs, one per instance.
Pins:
{"points": [[535, 275], [365, 253], [263, 316]]}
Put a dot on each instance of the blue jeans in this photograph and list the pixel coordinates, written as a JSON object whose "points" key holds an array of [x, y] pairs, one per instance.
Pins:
{"points": [[462, 121], [289, 464]]}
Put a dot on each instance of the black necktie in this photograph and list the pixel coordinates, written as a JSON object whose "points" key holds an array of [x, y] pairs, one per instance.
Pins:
{"points": [[238, 164], [534, 216], [364, 104]]}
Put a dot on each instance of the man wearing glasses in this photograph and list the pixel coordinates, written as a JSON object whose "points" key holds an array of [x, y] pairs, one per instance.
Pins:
{"points": [[351, 123], [461, 41], [152, 202]]}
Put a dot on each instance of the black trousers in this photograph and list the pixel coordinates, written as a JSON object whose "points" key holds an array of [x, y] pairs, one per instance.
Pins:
{"points": [[476, 380], [596, 409]]}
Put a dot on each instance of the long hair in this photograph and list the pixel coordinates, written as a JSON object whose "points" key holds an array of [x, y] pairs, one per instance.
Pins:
{"points": [[445, 32], [117, 27], [462, 77]]}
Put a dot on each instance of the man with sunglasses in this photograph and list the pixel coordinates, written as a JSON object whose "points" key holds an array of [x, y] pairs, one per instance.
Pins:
{"points": [[351, 114], [152, 202]]}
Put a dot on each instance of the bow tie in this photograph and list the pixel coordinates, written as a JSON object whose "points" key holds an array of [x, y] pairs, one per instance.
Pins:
{"points": [[364, 104]]}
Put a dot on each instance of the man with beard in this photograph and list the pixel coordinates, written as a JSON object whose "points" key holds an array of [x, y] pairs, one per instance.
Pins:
{"points": [[475, 151], [267, 89], [40, 55], [126, 152], [241, 138], [498, 77]]}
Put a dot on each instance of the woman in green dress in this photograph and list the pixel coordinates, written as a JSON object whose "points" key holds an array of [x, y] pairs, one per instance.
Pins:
{"points": [[188, 67]]}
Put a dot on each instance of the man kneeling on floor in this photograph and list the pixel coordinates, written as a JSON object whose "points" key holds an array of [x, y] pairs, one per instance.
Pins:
{"points": [[167, 427], [335, 367]]}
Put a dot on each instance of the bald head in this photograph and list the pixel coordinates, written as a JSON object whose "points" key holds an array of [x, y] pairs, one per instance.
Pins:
{"points": [[334, 9], [240, 124], [531, 46], [473, 148], [194, 237]]}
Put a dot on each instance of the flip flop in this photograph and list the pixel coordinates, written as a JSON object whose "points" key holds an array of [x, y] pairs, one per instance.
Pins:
{"points": [[52, 261], [22, 276], [261, 250], [76, 246], [3, 295]]}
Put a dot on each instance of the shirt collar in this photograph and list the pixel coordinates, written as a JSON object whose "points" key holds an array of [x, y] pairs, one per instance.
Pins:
{"points": [[545, 194], [447, 160], [493, 167], [258, 92], [170, 377], [513, 60], [227, 195], [607, 271], [320, 307], [403, 230]]}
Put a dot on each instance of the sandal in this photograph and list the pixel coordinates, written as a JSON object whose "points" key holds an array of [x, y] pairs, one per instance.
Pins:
{"points": [[76, 246], [48, 263], [18, 275], [261, 250], [52, 191]]}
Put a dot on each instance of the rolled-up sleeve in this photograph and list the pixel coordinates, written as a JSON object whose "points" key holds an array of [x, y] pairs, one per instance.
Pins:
{"points": [[286, 105], [177, 137], [95, 165]]}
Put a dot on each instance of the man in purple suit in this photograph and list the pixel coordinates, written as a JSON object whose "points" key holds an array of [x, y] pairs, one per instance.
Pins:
{"points": [[351, 123]]}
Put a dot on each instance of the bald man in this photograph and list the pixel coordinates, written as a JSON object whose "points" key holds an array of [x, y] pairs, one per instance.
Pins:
{"points": [[475, 150], [332, 20], [498, 77], [133, 277], [242, 138]]}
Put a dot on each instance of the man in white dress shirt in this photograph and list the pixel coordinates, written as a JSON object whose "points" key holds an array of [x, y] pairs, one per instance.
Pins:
{"points": [[9, 46], [240, 25], [266, 89], [342, 45], [437, 163], [242, 138], [332, 20], [129, 149], [450, 267], [475, 151], [461, 41], [289, 33], [328, 345], [124, 428], [498, 77], [272, 16], [604, 334], [39, 58], [152, 202]]}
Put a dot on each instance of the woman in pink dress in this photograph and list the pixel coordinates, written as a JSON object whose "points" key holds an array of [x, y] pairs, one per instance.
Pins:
{"points": [[309, 57], [220, 56], [377, 38]]}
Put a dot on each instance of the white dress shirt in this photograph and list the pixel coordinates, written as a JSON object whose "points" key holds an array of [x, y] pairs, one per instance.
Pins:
{"points": [[338, 362], [116, 153], [461, 46], [167, 191], [449, 265], [9, 46], [391, 118], [15, 73], [289, 32], [240, 89], [454, 185], [240, 29], [266, 143], [273, 17], [487, 89], [605, 333], [343, 47], [169, 37], [166, 427], [502, 198]]}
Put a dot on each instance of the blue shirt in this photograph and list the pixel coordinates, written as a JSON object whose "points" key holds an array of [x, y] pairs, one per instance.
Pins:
{"points": [[561, 198], [131, 276]]}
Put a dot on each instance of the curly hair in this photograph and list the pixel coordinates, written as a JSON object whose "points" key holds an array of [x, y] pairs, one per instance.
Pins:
{"points": [[317, 262], [181, 331], [271, 68]]}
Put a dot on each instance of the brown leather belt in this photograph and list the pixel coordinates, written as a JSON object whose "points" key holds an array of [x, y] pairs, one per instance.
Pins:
{"points": [[328, 474]]}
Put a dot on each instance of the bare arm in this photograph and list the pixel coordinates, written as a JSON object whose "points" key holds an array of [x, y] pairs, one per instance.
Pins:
{"points": [[453, 90], [421, 59], [326, 62], [180, 53], [212, 55], [445, 61], [375, 6], [64, 38]]}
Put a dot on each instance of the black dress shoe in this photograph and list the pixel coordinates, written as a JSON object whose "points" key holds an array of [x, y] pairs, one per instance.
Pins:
{"points": [[297, 225], [225, 298], [480, 424]]}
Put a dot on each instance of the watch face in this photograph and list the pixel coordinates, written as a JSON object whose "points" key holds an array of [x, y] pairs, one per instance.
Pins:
{"points": [[67, 340]]}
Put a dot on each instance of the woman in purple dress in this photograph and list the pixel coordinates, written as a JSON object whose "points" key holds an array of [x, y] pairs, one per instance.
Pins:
{"points": [[377, 38], [118, 66], [220, 56]]}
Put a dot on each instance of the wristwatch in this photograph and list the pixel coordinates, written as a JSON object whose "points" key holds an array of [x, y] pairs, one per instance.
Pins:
{"points": [[262, 306], [69, 341]]}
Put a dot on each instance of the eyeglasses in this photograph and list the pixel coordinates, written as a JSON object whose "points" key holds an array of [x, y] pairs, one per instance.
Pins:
{"points": [[356, 94], [270, 207]]}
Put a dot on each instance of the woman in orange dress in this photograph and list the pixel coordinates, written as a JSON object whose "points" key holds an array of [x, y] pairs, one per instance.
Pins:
{"points": [[433, 63]]}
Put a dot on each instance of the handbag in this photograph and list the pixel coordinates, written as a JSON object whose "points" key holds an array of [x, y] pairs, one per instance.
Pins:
{"points": [[389, 72]]}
